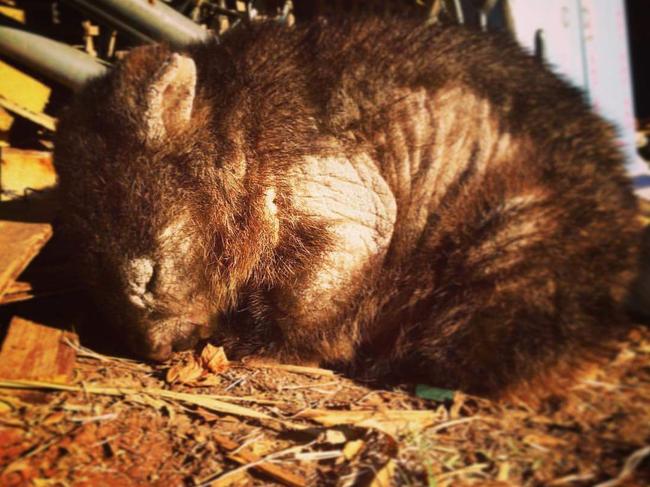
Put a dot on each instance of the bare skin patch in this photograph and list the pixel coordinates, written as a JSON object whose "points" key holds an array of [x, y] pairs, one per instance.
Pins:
{"points": [[139, 273], [351, 198]]}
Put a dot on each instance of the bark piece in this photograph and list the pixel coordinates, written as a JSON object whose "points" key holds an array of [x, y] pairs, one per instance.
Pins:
{"points": [[20, 242], [36, 352]]}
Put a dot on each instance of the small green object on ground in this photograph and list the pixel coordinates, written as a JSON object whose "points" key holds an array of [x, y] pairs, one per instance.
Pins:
{"points": [[434, 393]]}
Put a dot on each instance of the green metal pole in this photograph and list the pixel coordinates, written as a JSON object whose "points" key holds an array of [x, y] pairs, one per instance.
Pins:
{"points": [[49, 58], [145, 21]]}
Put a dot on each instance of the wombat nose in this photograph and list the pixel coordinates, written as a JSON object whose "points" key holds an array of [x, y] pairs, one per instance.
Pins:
{"points": [[160, 353], [161, 349], [186, 342]]}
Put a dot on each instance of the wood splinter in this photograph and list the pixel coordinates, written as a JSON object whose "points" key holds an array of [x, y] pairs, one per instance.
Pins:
{"points": [[244, 456]]}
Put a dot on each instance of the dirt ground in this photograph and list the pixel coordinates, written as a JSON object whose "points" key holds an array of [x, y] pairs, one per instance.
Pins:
{"points": [[203, 421]]}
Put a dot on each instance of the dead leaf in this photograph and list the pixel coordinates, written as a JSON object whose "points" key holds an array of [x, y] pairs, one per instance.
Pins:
{"points": [[214, 359], [199, 372], [185, 373]]}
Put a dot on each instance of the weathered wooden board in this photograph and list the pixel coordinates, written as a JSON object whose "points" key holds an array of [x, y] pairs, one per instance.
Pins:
{"points": [[19, 244], [23, 95], [17, 291], [24, 170], [245, 456], [39, 282], [36, 352]]}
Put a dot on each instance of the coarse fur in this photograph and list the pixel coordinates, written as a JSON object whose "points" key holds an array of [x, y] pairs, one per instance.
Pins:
{"points": [[387, 197]]}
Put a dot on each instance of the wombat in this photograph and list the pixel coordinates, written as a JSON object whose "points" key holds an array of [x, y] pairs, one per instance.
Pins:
{"points": [[393, 199]]}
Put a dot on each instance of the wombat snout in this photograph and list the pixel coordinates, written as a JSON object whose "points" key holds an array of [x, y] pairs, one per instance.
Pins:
{"points": [[163, 318], [158, 342], [159, 353]]}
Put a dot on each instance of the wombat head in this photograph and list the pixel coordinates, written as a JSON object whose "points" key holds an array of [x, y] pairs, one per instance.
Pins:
{"points": [[157, 203]]}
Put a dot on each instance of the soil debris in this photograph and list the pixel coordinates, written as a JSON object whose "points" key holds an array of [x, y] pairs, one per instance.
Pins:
{"points": [[121, 422]]}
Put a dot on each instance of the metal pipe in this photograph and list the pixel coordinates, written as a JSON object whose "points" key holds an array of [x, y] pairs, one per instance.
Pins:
{"points": [[49, 58], [144, 20]]}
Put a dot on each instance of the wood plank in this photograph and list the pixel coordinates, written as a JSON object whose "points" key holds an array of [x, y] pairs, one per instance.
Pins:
{"points": [[37, 352], [39, 282], [24, 170], [22, 89], [42, 119], [16, 292], [19, 244]]}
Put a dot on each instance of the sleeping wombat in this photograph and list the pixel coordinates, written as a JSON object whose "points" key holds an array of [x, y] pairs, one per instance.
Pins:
{"points": [[428, 202]]}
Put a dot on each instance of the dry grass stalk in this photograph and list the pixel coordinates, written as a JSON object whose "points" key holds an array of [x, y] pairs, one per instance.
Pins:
{"points": [[205, 401], [91, 354], [631, 464], [392, 422], [471, 469], [297, 369], [456, 422]]}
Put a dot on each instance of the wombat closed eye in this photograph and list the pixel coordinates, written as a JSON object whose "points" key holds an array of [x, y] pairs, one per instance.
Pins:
{"points": [[423, 202]]}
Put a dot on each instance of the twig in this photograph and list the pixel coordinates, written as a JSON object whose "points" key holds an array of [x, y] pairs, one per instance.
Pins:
{"points": [[298, 369], [631, 464], [88, 353], [245, 444], [476, 468], [456, 422], [316, 456], [308, 386], [206, 401], [572, 479], [262, 464], [241, 380], [92, 419]]}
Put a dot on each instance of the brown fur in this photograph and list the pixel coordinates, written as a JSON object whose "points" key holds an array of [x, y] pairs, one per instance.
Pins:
{"points": [[394, 199]]}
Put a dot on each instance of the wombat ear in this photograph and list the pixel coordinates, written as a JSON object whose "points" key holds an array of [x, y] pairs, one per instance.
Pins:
{"points": [[170, 96]]}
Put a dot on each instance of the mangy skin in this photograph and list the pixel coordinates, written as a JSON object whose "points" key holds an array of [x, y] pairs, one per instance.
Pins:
{"points": [[397, 200]]}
